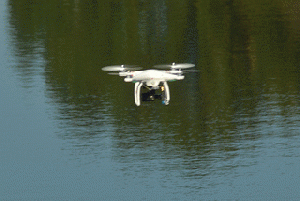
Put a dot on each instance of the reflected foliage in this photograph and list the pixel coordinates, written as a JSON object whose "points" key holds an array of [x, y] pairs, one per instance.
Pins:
{"points": [[247, 53]]}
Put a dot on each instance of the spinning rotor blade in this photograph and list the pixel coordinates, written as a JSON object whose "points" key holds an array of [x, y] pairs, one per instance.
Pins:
{"points": [[113, 73], [191, 71], [180, 71], [175, 66], [121, 68]]}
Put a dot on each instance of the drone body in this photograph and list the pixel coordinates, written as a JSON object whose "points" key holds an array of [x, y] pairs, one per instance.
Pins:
{"points": [[151, 80]]}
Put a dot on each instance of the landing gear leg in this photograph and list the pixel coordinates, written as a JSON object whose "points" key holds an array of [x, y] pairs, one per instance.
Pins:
{"points": [[137, 93], [167, 94]]}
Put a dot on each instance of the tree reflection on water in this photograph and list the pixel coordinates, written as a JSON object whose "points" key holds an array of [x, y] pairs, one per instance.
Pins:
{"points": [[247, 88]]}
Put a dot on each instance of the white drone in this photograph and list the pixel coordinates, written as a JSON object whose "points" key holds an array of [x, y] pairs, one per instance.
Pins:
{"points": [[151, 80]]}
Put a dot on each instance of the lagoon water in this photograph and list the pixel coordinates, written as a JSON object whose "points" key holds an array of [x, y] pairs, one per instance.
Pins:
{"points": [[69, 131]]}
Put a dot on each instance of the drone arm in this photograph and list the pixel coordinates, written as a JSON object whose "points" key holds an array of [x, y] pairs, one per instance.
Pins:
{"points": [[167, 93], [137, 93]]}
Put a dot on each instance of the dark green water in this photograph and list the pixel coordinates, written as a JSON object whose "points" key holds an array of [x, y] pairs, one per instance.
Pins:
{"points": [[69, 131]]}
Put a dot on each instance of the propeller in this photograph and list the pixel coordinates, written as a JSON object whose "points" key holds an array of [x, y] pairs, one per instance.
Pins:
{"points": [[191, 71], [175, 66], [121, 68], [113, 73]]}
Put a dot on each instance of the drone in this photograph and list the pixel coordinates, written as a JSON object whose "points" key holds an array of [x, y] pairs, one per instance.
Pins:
{"points": [[150, 84]]}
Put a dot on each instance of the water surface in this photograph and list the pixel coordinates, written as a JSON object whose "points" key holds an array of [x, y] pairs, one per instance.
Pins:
{"points": [[69, 131]]}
